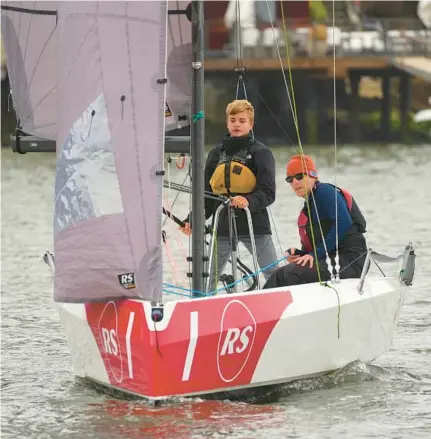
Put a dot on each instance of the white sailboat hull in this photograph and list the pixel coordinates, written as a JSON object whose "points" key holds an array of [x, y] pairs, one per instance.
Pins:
{"points": [[229, 342]]}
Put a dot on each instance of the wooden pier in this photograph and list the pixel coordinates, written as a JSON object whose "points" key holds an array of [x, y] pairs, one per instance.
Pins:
{"points": [[311, 73], [322, 65]]}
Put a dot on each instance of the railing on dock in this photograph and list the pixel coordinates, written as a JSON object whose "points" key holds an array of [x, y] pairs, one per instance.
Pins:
{"points": [[377, 37]]}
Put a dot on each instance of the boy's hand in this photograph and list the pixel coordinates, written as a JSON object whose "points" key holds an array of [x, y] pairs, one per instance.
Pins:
{"points": [[186, 229], [239, 201]]}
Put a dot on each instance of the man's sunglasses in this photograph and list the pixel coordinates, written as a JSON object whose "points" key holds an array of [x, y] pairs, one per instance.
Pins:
{"points": [[299, 177]]}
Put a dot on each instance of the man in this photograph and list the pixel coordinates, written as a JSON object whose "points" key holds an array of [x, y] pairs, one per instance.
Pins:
{"points": [[243, 169], [322, 201]]}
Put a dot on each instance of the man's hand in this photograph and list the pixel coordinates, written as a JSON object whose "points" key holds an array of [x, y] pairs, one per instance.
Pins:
{"points": [[304, 260], [186, 229], [239, 201], [291, 257]]}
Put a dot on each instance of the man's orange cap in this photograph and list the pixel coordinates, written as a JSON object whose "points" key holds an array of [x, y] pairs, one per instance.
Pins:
{"points": [[301, 164]]}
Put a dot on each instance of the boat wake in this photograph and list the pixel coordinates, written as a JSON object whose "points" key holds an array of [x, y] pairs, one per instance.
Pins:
{"points": [[353, 373]]}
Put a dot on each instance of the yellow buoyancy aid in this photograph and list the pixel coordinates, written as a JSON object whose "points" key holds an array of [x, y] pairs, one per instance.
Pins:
{"points": [[232, 175]]}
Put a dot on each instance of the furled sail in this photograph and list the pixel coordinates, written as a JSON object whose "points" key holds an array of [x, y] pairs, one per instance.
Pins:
{"points": [[111, 122], [30, 41]]}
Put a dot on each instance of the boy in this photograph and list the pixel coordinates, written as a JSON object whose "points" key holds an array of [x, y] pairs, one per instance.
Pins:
{"points": [[243, 169]]}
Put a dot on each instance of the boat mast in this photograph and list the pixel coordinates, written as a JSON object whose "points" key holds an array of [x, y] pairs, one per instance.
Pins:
{"points": [[197, 133]]}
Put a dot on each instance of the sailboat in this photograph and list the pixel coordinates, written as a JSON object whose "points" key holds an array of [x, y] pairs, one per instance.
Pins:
{"points": [[114, 79]]}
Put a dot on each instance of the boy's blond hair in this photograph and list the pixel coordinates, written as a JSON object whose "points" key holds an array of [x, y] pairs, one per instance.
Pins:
{"points": [[239, 106]]}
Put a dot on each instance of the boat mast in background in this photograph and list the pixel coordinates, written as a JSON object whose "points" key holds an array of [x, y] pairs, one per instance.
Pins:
{"points": [[197, 131]]}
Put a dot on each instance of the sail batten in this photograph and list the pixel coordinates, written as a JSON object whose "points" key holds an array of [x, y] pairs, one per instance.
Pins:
{"points": [[29, 11]]}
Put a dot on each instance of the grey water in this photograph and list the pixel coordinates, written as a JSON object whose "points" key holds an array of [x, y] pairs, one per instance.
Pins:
{"points": [[41, 398]]}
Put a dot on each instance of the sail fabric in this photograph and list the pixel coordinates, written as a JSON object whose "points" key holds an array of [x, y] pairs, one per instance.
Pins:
{"points": [[110, 136], [424, 12], [179, 65], [29, 31], [30, 42]]}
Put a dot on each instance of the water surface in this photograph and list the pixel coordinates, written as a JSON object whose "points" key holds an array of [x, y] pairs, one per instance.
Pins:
{"points": [[41, 398]]}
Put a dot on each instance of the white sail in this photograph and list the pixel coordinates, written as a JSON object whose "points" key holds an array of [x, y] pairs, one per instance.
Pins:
{"points": [[30, 41], [111, 99], [424, 12], [29, 31]]}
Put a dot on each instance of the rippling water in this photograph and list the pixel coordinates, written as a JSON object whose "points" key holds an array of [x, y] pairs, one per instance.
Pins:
{"points": [[390, 399]]}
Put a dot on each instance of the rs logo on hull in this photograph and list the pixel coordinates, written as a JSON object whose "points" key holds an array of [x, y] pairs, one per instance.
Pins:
{"points": [[108, 331], [237, 335], [230, 344], [110, 341]]}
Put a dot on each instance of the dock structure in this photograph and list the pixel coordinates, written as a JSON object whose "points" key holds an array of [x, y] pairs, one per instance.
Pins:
{"points": [[390, 52]]}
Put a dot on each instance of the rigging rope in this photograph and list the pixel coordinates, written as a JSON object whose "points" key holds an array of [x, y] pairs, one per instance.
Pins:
{"points": [[292, 102], [256, 90], [175, 232], [286, 45], [168, 184], [304, 166], [241, 71], [295, 117], [337, 258], [214, 292], [241, 266], [171, 259], [238, 35]]}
